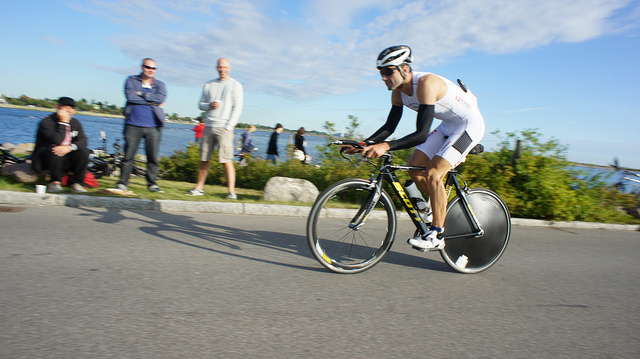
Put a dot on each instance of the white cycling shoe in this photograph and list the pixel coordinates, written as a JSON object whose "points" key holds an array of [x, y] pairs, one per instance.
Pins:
{"points": [[432, 241]]}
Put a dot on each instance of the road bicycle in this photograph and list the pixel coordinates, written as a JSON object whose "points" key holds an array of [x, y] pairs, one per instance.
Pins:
{"points": [[102, 163], [352, 223]]}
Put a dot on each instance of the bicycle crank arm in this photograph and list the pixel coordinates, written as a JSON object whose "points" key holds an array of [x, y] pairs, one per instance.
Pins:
{"points": [[477, 234]]}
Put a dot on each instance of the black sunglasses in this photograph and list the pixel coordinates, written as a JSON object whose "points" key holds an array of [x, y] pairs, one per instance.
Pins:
{"points": [[149, 67], [387, 71]]}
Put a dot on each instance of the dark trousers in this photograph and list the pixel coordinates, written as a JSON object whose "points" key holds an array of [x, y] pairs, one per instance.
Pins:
{"points": [[74, 161], [132, 137]]}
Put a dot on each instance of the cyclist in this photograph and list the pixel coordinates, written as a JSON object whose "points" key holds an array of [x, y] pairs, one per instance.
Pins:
{"points": [[431, 96]]}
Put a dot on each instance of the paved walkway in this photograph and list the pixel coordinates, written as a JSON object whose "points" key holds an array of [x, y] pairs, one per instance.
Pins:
{"points": [[70, 200]]}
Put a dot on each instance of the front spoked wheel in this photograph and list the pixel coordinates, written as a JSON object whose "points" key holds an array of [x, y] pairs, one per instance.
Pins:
{"points": [[474, 254], [349, 230]]}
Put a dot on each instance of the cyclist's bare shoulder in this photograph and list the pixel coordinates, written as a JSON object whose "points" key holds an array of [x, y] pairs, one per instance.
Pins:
{"points": [[431, 81], [431, 88]]}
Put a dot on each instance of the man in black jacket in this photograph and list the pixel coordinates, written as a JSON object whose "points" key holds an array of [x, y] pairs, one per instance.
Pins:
{"points": [[272, 151], [61, 147]]}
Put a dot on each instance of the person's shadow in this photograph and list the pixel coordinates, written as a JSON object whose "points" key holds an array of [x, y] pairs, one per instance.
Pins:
{"points": [[185, 230]]}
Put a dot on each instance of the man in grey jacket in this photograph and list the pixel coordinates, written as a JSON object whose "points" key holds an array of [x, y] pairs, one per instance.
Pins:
{"points": [[222, 98]]}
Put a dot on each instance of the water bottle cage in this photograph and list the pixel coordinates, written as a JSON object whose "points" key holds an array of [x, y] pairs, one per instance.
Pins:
{"points": [[416, 203]]}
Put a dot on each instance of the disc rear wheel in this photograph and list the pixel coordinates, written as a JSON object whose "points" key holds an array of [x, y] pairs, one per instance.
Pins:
{"points": [[474, 254]]}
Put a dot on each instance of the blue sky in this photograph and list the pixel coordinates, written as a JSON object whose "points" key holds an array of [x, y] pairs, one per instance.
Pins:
{"points": [[570, 69]]}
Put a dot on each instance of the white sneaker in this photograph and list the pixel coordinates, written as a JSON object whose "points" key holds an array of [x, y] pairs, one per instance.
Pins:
{"points": [[77, 188], [195, 192], [232, 196], [432, 241], [54, 187], [155, 189]]}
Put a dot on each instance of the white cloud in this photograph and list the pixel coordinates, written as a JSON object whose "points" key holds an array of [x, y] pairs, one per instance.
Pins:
{"points": [[311, 49], [54, 40]]}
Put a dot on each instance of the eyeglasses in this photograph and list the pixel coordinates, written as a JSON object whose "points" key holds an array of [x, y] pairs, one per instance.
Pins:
{"points": [[387, 71], [149, 67]]}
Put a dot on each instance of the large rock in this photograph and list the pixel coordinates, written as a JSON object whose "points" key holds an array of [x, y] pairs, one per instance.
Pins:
{"points": [[284, 189], [7, 146], [23, 149], [21, 172]]}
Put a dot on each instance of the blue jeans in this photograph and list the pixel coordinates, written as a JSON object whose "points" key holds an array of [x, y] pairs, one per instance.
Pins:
{"points": [[272, 158], [132, 137]]}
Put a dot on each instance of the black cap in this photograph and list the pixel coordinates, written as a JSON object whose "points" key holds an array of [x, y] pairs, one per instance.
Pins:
{"points": [[66, 101]]}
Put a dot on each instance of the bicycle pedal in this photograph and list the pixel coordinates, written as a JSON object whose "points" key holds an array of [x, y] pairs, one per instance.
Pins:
{"points": [[423, 250], [436, 249], [416, 248]]}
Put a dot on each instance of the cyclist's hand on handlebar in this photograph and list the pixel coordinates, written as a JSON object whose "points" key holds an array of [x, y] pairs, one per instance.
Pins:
{"points": [[348, 149], [375, 151]]}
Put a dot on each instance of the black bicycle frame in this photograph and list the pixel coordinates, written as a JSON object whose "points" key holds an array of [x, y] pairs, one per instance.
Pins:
{"points": [[387, 172], [462, 193]]}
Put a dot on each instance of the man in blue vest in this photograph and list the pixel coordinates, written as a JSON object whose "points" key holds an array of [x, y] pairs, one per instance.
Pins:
{"points": [[144, 118]]}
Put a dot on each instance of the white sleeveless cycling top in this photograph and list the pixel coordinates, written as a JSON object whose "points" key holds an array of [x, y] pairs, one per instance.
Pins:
{"points": [[456, 106]]}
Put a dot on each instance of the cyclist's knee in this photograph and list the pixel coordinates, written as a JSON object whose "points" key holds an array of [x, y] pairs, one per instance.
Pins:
{"points": [[418, 161], [434, 175]]}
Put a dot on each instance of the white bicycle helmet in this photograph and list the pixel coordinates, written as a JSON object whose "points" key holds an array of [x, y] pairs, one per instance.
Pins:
{"points": [[394, 56]]}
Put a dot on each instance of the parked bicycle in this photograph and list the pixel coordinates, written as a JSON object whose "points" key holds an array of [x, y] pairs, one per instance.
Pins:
{"points": [[352, 224], [627, 182], [6, 158], [102, 163]]}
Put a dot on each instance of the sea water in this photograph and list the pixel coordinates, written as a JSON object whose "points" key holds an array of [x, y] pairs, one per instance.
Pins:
{"points": [[20, 126]]}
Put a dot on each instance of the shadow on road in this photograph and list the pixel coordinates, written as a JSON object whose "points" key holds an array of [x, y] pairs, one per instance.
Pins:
{"points": [[233, 241]]}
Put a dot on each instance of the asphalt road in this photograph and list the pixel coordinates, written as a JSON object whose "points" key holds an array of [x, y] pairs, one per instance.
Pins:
{"points": [[110, 283]]}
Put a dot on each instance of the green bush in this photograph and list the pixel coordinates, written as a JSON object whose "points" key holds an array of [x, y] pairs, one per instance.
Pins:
{"points": [[534, 180], [532, 176], [182, 165]]}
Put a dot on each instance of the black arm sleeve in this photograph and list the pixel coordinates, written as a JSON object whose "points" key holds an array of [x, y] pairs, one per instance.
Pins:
{"points": [[387, 129], [423, 125]]}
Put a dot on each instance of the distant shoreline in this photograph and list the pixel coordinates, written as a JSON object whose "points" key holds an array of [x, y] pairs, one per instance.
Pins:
{"points": [[84, 113], [609, 167], [43, 109]]}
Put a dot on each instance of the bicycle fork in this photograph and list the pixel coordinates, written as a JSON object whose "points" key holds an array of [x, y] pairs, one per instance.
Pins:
{"points": [[372, 199]]}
